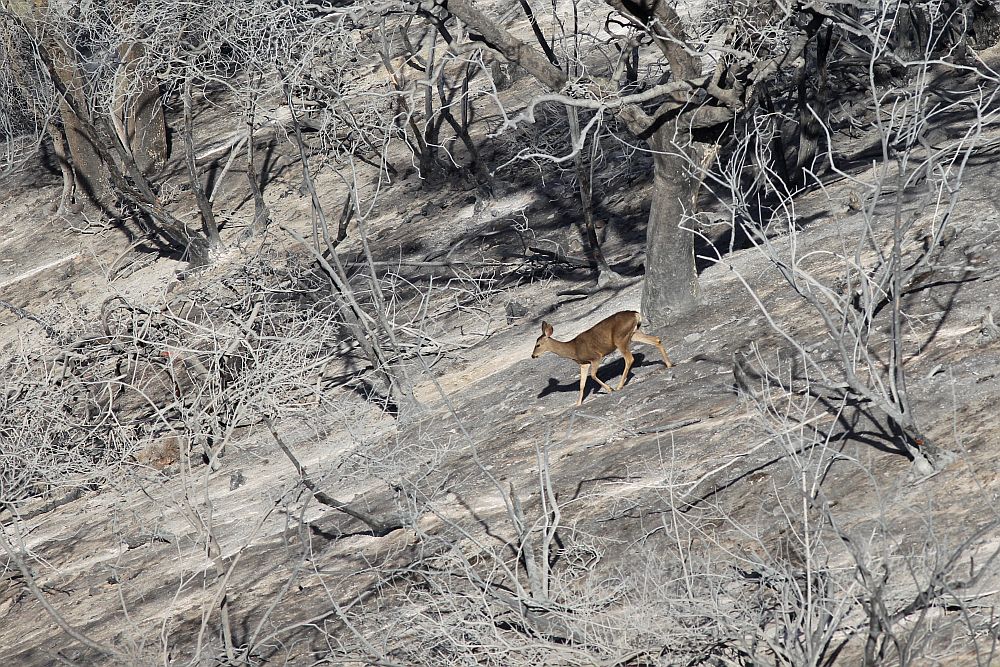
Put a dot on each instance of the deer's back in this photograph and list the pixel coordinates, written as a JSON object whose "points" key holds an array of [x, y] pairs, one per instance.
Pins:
{"points": [[600, 339]]}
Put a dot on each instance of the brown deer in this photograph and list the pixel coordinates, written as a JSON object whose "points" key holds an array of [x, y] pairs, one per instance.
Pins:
{"points": [[590, 347]]}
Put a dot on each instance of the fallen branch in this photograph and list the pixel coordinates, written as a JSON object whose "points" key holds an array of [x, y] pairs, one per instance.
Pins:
{"points": [[21, 312], [561, 257], [669, 427], [429, 265], [45, 507], [29, 581], [378, 527]]}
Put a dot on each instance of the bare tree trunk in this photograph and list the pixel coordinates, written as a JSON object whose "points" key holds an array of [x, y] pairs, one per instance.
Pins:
{"points": [[145, 126], [671, 283], [65, 165], [92, 144], [446, 93], [585, 187], [812, 109], [261, 215], [209, 225], [92, 175]]}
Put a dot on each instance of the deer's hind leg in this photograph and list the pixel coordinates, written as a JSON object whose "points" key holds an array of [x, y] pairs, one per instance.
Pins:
{"points": [[627, 355], [640, 337]]}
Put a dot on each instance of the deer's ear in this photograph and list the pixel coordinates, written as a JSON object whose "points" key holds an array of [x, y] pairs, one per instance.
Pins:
{"points": [[546, 329]]}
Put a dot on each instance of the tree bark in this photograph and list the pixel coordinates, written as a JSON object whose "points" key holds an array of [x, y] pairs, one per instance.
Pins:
{"points": [[208, 223], [92, 175], [65, 165], [141, 115], [671, 283], [140, 121]]}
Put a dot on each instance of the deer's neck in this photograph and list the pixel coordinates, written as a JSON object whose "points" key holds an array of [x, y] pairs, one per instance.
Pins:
{"points": [[562, 348]]}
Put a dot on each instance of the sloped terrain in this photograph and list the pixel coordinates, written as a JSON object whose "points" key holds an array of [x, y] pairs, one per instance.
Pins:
{"points": [[730, 510], [632, 472]]}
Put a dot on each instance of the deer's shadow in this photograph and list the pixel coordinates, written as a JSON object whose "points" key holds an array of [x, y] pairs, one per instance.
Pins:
{"points": [[609, 372]]}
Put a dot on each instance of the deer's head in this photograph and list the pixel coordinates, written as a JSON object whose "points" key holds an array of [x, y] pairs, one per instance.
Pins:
{"points": [[542, 344]]}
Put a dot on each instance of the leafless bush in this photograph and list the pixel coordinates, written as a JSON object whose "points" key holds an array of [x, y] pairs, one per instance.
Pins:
{"points": [[892, 237], [54, 436], [201, 366], [534, 591]]}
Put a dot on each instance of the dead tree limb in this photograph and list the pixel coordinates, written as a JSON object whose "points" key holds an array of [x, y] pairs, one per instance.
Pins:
{"points": [[378, 527]]}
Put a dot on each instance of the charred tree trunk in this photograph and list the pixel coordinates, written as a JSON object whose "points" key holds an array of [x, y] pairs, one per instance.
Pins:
{"points": [[812, 109], [65, 165], [89, 172]]}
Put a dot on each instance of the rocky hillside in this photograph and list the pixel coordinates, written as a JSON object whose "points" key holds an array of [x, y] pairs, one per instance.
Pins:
{"points": [[202, 466]]}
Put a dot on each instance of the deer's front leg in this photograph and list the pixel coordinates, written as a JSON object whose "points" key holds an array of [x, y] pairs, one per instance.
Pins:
{"points": [[583, 382]]}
